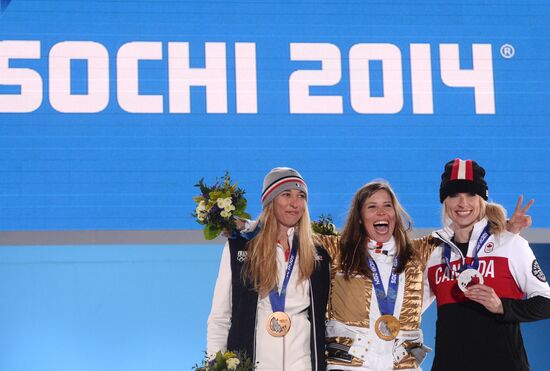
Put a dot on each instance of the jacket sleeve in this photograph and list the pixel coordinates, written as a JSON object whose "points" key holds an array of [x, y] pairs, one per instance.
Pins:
{"points": [[219, 319], [531, 280], [428, 295], [331, 244], [532, 309], [423, 247]]}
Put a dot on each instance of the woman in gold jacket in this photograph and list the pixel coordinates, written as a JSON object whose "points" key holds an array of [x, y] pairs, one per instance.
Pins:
{"points": [[376, 326]]}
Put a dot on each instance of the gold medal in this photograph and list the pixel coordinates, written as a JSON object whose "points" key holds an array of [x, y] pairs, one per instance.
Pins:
{"points": [[387, 327], [278, 324]]}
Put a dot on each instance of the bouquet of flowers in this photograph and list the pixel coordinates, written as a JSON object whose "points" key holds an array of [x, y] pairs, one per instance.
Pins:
{"points": [[226, 361], [324, 226], [218, 205]]}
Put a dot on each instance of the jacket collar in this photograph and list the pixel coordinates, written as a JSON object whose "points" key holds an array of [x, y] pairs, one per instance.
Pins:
{"points": [[382, 253], [446, 234]]}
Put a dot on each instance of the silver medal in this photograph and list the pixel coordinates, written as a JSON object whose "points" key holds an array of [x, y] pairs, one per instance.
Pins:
{"points": [[469, 277]]}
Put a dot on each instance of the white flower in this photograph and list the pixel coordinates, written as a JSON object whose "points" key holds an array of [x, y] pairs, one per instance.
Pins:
{"points": [[232, 363], [201, 211], [225, 203], [201, 207], [225, 214]]}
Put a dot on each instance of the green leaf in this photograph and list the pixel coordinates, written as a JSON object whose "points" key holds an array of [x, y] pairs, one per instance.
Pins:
{"points": [[202, 186], [324, 226], [214, 195], [211, 232], [241, 214], [241, 204]]}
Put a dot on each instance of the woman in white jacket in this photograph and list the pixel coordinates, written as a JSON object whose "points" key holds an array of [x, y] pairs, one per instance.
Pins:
{"points": [[271, 291]]}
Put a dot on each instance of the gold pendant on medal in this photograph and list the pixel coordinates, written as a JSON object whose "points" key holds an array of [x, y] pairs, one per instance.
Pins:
{"points": [[278, 324], [387, 327]]}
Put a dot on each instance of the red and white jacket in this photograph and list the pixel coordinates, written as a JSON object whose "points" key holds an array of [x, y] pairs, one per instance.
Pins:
{"points": [[468, 336], [506, 262]]}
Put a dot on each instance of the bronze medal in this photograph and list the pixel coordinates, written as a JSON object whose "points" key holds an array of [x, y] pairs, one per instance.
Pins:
{"points": [[278, 324], [387, 327]]}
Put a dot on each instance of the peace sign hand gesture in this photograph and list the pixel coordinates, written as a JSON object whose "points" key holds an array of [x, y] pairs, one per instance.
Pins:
{"points": [[519, 220]]}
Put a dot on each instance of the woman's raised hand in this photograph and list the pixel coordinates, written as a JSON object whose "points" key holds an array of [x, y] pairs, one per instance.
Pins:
{"points": [[520, 220]]}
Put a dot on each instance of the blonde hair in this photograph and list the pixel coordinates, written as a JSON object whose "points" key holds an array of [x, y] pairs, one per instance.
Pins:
{"points": [[261, 265], [495, 214], [353, 244]]}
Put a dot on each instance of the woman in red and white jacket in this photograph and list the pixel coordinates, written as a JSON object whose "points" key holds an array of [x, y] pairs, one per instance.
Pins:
{"points": [[485, 279]]}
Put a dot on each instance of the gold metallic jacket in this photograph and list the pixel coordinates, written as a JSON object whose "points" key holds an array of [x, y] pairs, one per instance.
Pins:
{"points": [[350, 300]]}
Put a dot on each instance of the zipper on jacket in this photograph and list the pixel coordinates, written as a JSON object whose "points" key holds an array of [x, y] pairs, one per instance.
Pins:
{"points": [[313, 324], [284, 360], [255, 329], [453, 246], [457, 250]]}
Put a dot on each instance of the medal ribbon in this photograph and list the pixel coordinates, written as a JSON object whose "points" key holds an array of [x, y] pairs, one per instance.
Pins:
{"points": [[386, 301], [278, 300], [480, 242]]}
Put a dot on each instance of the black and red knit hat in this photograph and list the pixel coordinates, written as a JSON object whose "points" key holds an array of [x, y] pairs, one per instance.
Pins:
{"points": [[463, 176]]}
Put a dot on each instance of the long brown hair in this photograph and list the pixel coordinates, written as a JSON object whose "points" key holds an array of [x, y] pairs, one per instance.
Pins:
{"points": [[260, 268], [354, 240]]}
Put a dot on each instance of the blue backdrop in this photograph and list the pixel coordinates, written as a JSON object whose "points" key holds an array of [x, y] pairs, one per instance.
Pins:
{"points": [[111, 110], [102, 125]]}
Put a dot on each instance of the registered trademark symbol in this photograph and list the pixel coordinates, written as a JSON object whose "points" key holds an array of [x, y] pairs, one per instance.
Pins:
{"points": [[507, 51]]}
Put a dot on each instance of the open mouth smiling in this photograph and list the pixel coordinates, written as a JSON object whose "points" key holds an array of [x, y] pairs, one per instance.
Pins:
{"points": [[381, 226]]}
